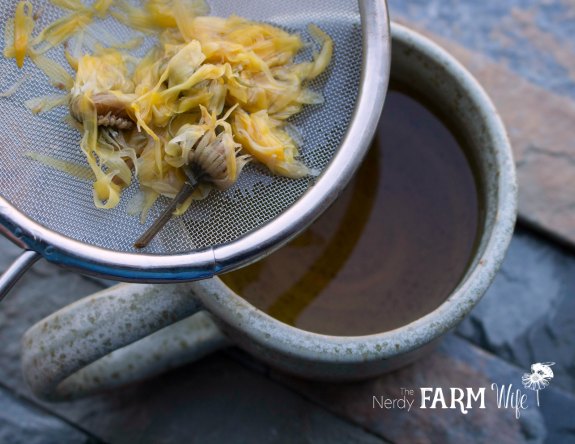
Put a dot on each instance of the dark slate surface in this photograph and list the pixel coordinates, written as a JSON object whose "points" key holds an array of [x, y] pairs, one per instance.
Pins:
{"points": [[24, 423], [528, 314], [511, 32], [558, 408], [216, 401]]}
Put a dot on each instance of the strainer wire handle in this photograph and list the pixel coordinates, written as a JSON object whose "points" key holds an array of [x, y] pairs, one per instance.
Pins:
{"points": [[9, 278]]}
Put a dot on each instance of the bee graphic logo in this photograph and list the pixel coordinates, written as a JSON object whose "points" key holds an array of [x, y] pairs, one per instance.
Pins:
{"points": [[539, 378]]}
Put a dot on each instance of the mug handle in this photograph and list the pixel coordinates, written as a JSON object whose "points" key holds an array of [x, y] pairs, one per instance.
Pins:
{"points": [[123, 334]]}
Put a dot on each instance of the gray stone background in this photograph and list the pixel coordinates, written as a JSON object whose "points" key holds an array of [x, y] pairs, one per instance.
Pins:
{"points": [[523, 52]]}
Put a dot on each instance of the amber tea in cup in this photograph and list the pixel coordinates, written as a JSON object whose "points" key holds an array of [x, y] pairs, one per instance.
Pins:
{"points": [[392, 247]]}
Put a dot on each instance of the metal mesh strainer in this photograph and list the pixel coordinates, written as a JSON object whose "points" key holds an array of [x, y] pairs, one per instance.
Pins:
{"points": [[52, 213]]}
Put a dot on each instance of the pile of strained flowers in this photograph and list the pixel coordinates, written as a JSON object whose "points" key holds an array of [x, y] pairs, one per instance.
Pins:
{"points": [[212, 94]]}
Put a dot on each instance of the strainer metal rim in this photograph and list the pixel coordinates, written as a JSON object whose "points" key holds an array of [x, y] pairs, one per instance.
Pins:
{"points": [[204, 263]]}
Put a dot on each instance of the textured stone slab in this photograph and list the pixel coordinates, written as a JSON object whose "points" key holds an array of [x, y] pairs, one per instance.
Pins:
{"points": [[216, 400], [23, 423], [533, 37], [559, 418], [528, 314], [456, 364], [523, 53]]}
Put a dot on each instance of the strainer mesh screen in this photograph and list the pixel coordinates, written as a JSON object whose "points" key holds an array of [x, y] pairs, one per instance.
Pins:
{"points": [[62, 201]]}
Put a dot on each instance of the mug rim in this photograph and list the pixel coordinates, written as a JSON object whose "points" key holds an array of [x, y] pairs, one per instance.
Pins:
{"points": [[261, 328]]}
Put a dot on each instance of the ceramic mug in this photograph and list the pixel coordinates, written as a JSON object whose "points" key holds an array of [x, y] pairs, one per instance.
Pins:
{"points": [[132, 331]]}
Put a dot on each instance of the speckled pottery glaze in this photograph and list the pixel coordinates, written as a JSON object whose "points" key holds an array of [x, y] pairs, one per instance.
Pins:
{"points": [[133, 331]]}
